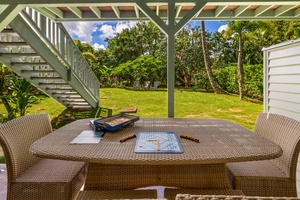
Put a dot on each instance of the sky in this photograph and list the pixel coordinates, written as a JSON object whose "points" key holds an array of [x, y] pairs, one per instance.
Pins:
{"points": [[95, 33]]}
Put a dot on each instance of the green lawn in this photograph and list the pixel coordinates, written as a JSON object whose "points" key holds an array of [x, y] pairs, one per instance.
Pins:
{"points": [[188, 104]]}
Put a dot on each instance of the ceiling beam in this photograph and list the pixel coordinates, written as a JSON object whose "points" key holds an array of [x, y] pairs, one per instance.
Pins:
{"points": [[56, 11], [152, 16], [261, 10], [76, 11], [118, 2], [188, 16], [240, 10], [116, 11], [283, 9], [137, 12], [96, 11], [297, 12], [178, 10], [219, 10]]}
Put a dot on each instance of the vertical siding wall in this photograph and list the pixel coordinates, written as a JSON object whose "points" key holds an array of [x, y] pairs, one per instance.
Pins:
{"points": [[282, 83]]}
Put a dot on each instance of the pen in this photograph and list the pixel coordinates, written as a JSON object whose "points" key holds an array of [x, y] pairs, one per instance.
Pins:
{"points": [[189, 138], [127, 137]]}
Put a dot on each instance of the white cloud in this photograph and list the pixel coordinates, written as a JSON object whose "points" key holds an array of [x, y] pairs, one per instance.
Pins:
{"points": [[109, 31], [223, 28], [124, 25], [97, 46], [83, 30]]}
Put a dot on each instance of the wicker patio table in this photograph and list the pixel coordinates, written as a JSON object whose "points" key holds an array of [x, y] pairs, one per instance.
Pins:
{"points": [[115, 165]]}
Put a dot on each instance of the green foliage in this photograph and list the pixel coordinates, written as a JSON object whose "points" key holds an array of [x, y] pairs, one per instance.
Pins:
{"points": [[227, 78], [144, 68], [188, 55], [124, 61], [200, 81], [4, 91], [22, 94]]}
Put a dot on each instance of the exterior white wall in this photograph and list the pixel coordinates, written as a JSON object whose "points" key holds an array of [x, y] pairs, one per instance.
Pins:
{"points": [[282, 83]]}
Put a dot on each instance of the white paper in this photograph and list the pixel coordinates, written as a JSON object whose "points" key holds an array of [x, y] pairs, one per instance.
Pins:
{"points": [[87, 137]]}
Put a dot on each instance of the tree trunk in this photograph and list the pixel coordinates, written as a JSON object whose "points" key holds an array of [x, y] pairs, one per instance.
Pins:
{"points": [[210, 75], [240, 70]]}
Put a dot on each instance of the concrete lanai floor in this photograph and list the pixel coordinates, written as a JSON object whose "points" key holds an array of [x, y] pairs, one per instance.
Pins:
{"points": [[3, 181]]}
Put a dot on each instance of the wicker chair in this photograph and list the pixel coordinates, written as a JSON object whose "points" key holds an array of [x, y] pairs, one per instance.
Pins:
{"points": [[275, 177], [29, 177], [225, 197]]}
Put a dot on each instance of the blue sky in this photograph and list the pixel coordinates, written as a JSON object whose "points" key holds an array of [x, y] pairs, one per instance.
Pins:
{"points": [[96, 32]]}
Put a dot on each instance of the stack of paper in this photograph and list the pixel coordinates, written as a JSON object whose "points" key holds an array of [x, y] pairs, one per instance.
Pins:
{"points": [[88, 137]]}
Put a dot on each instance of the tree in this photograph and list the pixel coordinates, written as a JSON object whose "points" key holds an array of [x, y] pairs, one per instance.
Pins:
{"points": [[293, 31], [4, 72], [210, 75], [187, 51], [222, 51], [238, 29], [144, 68]]}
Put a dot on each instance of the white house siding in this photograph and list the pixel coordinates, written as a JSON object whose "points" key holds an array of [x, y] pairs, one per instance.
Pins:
{"points": [[282, 83]]}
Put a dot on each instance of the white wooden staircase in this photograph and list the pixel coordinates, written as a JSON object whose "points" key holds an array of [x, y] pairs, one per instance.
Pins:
{"points": [[42, 51]]}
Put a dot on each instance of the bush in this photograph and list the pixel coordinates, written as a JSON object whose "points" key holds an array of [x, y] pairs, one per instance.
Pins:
{"points": [[227, 78]]}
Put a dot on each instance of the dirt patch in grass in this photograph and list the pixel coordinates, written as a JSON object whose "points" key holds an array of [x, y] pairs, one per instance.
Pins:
{"points": [[235, 110], [106, 95], [222, 111], [243, 117]]}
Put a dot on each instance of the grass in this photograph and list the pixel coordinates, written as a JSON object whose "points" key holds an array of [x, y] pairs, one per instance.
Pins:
{"points": [[188, 104]]}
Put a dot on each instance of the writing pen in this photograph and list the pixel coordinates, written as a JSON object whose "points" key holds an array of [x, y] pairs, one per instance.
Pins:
{"points": [[127, 137], [189, 138]]}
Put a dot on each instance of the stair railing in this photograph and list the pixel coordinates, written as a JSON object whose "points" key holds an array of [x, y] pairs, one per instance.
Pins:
{"points": [[60, 42]]}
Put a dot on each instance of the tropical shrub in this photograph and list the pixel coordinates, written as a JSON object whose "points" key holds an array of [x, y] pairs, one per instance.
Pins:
{"points": [[227, 78]]}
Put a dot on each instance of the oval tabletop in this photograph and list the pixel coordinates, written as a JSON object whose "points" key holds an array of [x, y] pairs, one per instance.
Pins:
{"points": [[220, 141]]}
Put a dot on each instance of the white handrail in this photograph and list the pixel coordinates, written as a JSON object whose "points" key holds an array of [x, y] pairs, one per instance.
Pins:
{"points": [[61, 43]]}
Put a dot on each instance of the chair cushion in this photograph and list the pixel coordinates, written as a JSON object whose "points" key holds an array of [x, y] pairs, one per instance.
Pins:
{"points": [[264, 168], [49, 170]]}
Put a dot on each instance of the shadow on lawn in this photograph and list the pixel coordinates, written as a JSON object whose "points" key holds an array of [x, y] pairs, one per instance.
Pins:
{"points": [[68, 116]]}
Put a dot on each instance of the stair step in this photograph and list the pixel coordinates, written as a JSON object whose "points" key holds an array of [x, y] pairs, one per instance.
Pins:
{"points": [[67, 93], [69, 97], [37, 71], [60, 88], [28, 63], [73, 101], [75, 105], [52, 78], [59, 83], [8, 32], [13, 55], [81, 108], [14, 44]]}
